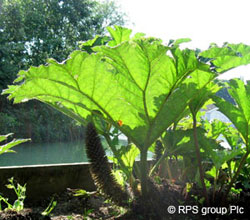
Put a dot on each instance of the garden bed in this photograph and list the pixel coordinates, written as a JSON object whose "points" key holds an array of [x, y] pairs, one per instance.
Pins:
{"points": [[95, 206]]}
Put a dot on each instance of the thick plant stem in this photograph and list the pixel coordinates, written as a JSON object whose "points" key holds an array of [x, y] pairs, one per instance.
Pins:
{"points": [[100, 169], [242, 162], [197, 149], [143, 166]]}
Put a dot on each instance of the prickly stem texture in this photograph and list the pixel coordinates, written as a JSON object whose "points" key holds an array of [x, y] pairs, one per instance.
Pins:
{"points": [[158, 150], [100, 169]]}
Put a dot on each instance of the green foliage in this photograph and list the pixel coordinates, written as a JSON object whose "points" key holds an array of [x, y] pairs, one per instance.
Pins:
{"points": [[147, 97], [50, 207], [181, 142], [239, 115], [223, 92], [125, 155], [7, 146], [119, 176], [81, 192], [137, 85], [35, 123], [30, 33], [218, 154], [202, 97], [129, 157], [53, 28], [227, 57], [20, 193]]}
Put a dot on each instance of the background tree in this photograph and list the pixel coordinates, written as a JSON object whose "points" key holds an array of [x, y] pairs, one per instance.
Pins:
{"points": [[32, 31]]}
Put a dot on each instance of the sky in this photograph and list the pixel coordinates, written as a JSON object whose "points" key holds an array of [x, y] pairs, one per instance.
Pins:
{"points": [[205, 22]]}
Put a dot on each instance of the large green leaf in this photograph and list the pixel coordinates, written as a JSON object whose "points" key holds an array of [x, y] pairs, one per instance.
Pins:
{"points": [[181, 142], [221, 156], [136, 84], [229, 56], [238, 114], [202, 97]]}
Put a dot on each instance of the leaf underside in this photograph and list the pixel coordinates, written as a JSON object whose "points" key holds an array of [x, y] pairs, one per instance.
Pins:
{"points": [[136, 81], [238, 114]]}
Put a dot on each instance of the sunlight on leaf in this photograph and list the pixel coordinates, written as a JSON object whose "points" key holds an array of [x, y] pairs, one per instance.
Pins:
{"points": [[137, 81]]}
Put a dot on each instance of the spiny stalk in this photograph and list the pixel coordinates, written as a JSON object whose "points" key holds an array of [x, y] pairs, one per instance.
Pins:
{"points": [[100, 169]]}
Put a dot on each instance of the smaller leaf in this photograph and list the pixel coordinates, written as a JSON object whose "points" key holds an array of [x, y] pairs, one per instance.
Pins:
{"points": [[97, 41], [9, 186], [80, 192], [182, 141], [212, 172], [6, 148], [181, 40], [238, 114], [4, 137], [220, 157], [229, 56], [118, 174], [119, 35], [129, 157], [138, 36]]}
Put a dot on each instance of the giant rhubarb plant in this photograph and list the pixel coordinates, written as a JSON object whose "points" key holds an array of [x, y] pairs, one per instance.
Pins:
{"points": [[239, 115], [137, 84]]}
